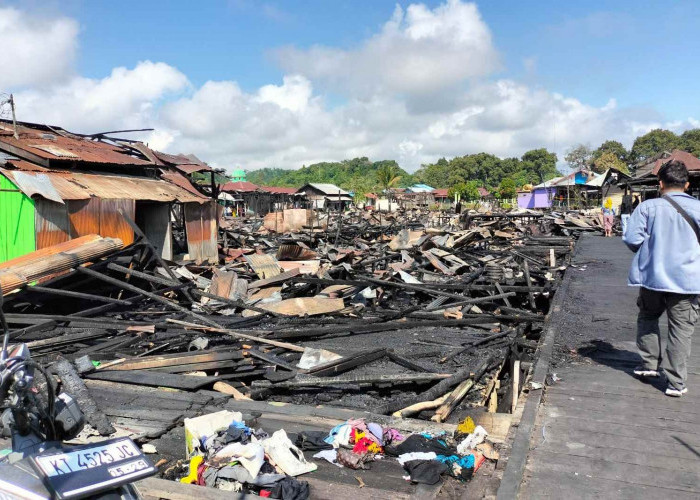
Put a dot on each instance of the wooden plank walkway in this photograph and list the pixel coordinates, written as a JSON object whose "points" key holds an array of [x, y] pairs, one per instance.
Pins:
{"points": [[600, 432]]}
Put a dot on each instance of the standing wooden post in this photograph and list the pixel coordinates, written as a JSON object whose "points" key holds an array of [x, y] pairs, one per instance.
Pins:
{"points": [[516, 384]]}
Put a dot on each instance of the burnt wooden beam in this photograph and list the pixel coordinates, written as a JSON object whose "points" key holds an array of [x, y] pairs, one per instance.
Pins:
{"points": [[75, 295]]}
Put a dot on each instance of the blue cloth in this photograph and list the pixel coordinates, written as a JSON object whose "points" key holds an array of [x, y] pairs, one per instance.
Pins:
{"points": [[667, 253], [331, 435], [464, 462]]}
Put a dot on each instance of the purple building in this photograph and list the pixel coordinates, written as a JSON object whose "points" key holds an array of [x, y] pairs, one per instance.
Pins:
{"points": [[539, 197]]}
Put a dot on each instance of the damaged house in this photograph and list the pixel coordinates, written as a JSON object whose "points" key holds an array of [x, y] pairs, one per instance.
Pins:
{"points": [[56, 186]]}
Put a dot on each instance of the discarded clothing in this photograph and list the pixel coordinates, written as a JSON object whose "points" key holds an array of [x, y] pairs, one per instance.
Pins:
{"points": [[471, 440], [339, 435], [425, 471], [285, 455], [377, 431], [312, 441], [407, 457], [290, 489], [466, 426], [354, 460], [418, 442], [329, 456], [392, 436], [240, 474], [465, 462], [251, 455]]}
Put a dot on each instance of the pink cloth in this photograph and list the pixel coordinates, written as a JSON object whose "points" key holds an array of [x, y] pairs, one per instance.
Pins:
{"points": [[608, 222]]}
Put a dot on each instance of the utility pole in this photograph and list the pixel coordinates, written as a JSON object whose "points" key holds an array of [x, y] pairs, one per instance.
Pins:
{"points": [[11, 100]]}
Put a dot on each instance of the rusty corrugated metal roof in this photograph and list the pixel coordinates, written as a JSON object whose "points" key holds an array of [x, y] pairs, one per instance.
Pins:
{"points": [[80, 186], [61, 148], [191, 168], [239, 187], [280, 190]]}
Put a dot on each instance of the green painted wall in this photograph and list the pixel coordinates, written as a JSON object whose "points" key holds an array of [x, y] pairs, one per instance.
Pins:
{"points": [[17, 235]]}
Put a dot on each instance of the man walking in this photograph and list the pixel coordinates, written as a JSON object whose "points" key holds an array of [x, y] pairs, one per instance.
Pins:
{"points": [[625, 212], [664, 233]]}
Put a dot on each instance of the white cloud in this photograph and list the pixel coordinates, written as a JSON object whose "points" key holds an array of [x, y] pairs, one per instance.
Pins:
{"points": [[420, 89], [125, 99], [36, 50], [417, 51]]}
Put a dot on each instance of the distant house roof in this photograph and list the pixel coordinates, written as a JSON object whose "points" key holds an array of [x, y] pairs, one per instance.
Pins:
{"points": [[239, 187], [421, 188], [371, 196], [329, 189], [600, 180], [483, 192], [279, 190], [440, 193], [653, 164]]}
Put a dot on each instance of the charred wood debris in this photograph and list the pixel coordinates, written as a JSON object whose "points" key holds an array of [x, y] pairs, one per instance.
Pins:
{"points": [[407, 314]]}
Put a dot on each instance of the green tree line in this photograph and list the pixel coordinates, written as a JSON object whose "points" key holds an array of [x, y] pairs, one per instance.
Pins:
{"points": [[464, 174]]}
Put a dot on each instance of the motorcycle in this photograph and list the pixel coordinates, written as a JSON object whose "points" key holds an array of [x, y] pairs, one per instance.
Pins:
{"points": [[38, 420]]}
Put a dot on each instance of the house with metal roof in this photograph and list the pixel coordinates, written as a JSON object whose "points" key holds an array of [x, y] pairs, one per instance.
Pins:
{"points": [[327, 196], [56, 186]]}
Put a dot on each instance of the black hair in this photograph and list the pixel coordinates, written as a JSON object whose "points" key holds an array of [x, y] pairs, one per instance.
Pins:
{"points": [[674, 174]]}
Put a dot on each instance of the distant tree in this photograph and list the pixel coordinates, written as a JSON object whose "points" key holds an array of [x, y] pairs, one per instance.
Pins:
{"points": [[388, 176], [654, 142], [690, 141], [540, 165], [579, 157], [609, 160], [614, 147], [507, 189], [457, 191]]}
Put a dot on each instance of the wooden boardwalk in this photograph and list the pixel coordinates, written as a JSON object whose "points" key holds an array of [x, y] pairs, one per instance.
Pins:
{"points": [[601, 433]]}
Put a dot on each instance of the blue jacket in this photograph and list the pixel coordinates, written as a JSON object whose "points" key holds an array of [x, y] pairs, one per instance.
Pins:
{"points": [[667, 253]]}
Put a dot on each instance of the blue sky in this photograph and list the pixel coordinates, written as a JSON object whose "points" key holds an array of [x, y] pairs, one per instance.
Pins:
{"points": [[593, 50], [549, 52]]}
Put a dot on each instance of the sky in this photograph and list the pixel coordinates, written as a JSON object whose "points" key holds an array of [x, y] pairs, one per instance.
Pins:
{"points": [[252, 84]]}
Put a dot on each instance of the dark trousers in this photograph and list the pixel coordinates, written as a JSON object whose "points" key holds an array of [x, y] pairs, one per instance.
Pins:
{"points": [[667, 352]]}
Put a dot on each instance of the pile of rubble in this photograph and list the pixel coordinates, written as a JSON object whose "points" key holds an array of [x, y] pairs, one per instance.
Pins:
{"points": [[408, 315]]}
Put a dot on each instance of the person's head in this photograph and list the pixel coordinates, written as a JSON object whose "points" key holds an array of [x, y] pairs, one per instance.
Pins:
{"points": [[608, 203], [673, 176]]}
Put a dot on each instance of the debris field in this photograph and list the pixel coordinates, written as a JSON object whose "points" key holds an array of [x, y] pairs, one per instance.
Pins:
{"points": [[413, 321]]}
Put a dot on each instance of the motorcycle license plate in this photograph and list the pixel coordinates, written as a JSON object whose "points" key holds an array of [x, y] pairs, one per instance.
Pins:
{"points": [[84, 470]]}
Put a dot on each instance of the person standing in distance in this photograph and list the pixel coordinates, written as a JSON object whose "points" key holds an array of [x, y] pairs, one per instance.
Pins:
{"points": [[664, 233]]}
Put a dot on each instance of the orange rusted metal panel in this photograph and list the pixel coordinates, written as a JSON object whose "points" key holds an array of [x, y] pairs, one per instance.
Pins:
{"points": [[51, 223], [84, 216], [200, 222], [113, 224]]}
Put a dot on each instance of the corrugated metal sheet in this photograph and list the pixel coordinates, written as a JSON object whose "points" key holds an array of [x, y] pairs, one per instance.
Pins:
{"points": [[61, 247], [33, 184], [239, 187], [73, 149], [97, 216], [264, 265], [55, 260], [16, 221], [189, 169], [200, 222], [180, 180], [80, 186], [113, 224], [84, 217], [51, 222]]}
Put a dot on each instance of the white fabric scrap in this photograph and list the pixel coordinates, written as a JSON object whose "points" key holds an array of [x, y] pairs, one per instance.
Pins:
{"points": [[476, 437], [329, 456], [416, 455], [251, 455]]}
